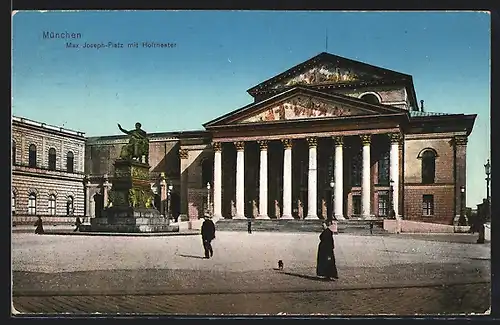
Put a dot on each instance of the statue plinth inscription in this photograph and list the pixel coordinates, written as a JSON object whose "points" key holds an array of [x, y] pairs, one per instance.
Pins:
{"points": [[131, 197]]}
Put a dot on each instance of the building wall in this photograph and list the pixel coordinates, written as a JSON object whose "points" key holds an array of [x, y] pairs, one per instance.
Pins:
{"points": [[446, 197], [42, 181]]}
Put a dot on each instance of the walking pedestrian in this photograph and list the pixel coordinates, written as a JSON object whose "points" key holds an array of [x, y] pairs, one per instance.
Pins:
{"points": [[39, 226], [249, 226], [207, 235], [325, 265], [78, 223]]}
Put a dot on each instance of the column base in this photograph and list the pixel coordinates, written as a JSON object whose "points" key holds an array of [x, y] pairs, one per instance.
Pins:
{"points": [[263, 216], [369, 217], [239, 217], [339, 217], [183, 217], [311, 216], [289, 217]]}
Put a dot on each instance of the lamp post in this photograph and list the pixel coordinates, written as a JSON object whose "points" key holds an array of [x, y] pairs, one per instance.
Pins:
{"points": [[487, 170], [461, 219], [332, 200], [392, 214], [209, 210]]}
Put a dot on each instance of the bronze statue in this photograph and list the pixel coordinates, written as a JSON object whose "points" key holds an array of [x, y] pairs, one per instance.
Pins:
{"points": [[138, 144]]}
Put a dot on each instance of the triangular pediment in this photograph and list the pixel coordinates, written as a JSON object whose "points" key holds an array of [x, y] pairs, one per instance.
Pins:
{"points": [[326, 69], [302, 104]]}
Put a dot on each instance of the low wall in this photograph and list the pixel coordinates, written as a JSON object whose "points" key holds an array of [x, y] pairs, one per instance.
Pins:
{"points": [[21, 220], [407, 226]]}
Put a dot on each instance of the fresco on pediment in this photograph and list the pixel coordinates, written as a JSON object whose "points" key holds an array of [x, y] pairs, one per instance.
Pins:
{"points": [[323, 74], [300, 108]]}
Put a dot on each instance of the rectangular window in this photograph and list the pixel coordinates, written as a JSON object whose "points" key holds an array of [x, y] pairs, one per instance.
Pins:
{"points": [[428, 205], [32, 204], [383, 204], [356, 205], [383, 169]]}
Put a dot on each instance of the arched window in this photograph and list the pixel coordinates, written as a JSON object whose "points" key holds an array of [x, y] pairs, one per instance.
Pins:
{"points": [[13, 202], [69, 162], [32, 203], [370, 98], [206, 172], [13, 152], [32, 156], [428, 166], [69, 206], [52, 205], [52, 159]]}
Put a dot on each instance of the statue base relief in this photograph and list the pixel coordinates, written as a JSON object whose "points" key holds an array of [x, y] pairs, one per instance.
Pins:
{"points": [[131, 198]]}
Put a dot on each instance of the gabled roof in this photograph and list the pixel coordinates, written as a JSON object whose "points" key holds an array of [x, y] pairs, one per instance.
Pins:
{"points": [[325, 57], [247, 110]]}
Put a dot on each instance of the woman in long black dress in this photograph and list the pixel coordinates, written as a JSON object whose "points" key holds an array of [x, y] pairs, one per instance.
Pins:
{"points": [[325, 266], [39, 226]]}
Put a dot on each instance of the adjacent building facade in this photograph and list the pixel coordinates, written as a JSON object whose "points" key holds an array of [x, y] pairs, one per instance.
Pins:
{"points": [[47, 172], [330, 137]]}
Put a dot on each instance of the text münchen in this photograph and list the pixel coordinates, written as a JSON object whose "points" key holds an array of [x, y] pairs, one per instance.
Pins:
{"points": [[63, 35]]}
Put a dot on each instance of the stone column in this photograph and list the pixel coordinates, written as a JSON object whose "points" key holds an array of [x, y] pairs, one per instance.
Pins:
{"points": [[287, 180], [240, 180], [312, 180], [163, 194], [460, 165], [366, 188], [105, 188], [184, 155], [263, 181], [339, 178], [394, 170], [217, 180]]}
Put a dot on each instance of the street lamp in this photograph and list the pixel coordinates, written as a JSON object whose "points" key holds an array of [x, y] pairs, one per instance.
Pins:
{"points": [[392, 213], [461, 219], [209, 210], [332, 200], [487, 171]]}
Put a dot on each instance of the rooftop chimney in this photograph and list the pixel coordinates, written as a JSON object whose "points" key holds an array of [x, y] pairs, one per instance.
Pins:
{"points": [[421, 105]]}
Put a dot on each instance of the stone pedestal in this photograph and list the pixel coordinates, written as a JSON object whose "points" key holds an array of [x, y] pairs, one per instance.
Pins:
{"points": [[131, 203]]}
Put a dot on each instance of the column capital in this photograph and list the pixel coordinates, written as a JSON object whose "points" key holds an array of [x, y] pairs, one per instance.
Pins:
{"points": [[240, 145], [287, 143], [460, 140], [339, 140], [263, 144], [216, 146], [183, 153], [395, 137], [366, 139], [162, 176], [312, 141]]}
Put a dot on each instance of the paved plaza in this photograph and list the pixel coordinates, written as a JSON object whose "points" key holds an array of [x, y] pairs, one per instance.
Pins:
{"points": [[391, 274]]}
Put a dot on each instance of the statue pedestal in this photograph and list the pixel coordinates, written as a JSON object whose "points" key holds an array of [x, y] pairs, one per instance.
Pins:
{"points": [[131, 198]]}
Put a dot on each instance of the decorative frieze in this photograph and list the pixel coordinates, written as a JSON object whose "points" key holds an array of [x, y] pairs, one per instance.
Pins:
{"points": [[312, 141], [287, 143], [240, 145], [339, 140], [263, 144], [183, 153], [366, 139], [216, 146]]}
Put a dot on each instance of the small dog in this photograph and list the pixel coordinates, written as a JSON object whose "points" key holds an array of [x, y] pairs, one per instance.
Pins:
{"points": [[280, 265]]}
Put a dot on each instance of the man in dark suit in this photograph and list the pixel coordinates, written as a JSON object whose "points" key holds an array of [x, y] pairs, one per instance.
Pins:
{"points": [[207, 235]]}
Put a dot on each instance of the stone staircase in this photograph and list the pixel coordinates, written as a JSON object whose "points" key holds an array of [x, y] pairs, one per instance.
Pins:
{"points": [[294, 225]]}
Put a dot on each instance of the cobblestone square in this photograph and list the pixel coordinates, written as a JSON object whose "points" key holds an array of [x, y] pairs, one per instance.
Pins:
{"points": [[390, 274]]}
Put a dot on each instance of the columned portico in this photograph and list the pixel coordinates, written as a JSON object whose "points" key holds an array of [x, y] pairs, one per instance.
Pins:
{"points": [[217, 180], [312, 180], [287, 179], [240, 180], [366, 177], [339, 178], [394, 170], [263, 181]]}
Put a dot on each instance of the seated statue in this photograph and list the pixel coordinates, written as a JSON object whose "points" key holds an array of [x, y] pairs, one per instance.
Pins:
{"points": [[138, 144]]}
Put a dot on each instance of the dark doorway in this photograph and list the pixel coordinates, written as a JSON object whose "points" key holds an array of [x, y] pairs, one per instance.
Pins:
{"points": [[98, 204]]}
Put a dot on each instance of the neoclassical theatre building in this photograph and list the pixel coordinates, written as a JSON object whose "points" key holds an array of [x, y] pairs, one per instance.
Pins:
{"points": [[330, 137]]}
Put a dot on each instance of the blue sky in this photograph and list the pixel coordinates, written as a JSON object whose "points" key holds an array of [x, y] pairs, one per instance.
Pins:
{"points": [[220, 54]]}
